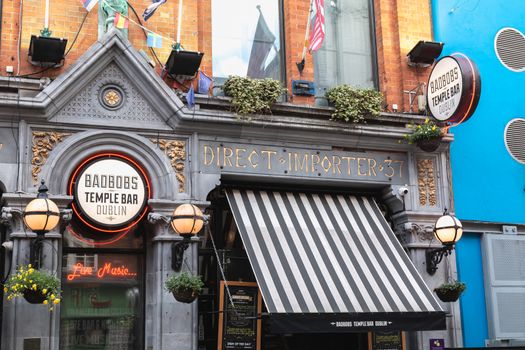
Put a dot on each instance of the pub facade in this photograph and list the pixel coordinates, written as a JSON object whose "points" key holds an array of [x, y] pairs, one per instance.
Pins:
{"points": [[316, 230]]}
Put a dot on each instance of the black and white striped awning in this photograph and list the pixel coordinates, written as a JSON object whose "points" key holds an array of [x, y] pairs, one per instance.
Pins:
{"points": [[330, 263]]}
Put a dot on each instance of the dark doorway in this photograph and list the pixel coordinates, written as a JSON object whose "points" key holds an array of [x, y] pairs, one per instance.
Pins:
{"points": [[350, 341]]}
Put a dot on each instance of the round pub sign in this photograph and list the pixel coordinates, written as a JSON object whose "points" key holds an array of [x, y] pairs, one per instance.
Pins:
{"points": [[110, 192], [453, 89]]}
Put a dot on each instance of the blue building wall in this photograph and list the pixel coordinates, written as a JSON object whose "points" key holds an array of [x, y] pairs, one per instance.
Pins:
{"points": [[473, 309], [489, 185]]}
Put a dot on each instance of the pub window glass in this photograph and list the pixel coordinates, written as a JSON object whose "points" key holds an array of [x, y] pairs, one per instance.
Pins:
{"points": [[248, 44], [347, 54], [102, 305]]}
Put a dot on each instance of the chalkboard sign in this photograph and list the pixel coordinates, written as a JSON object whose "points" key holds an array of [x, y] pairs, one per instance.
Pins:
{"points": [[389, 340], [239, 325]]}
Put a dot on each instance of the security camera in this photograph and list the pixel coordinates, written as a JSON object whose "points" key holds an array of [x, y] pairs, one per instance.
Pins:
{"points": [[402, 191], [8, 245]]}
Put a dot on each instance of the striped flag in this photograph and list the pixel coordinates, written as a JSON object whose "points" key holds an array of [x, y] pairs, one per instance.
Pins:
{"points": [[150, 10], [121, 21], [89, 4], [317, 36], [154, 40]]}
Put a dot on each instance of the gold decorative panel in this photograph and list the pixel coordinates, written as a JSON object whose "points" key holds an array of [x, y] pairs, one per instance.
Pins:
{"points": [[43, 143], [426, 182], [176, 152]]}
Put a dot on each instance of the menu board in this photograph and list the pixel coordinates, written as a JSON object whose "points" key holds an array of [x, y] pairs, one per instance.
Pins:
{"points": [[239, 324], [388, 340]]}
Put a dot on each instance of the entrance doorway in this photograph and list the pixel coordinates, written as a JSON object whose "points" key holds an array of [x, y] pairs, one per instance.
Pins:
{"points": [[102, 290]]}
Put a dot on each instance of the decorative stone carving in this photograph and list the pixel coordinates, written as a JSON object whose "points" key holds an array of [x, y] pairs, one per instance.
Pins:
{"points": [[176, 152], [426, 182], [90, 104], [422, 232], [43, 143]]}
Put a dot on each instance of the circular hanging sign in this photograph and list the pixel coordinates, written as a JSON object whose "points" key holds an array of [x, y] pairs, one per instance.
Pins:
{"points": [[453, 89], [111, 192]]}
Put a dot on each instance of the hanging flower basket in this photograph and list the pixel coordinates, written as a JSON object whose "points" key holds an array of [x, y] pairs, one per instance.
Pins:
{"points": [[429, 145], [184, 287], [450, 292], [34, 296], [35, 286], [185, 295]]}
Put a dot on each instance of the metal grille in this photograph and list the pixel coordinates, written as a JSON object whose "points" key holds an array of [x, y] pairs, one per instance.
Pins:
{"points": [[509, 260], [511, 306], [509, 45], [515, 139]]}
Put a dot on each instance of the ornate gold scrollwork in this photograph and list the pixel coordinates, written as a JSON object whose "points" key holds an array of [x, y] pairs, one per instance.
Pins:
{"points": [[43, 143], [426, 182], [176, 152]]}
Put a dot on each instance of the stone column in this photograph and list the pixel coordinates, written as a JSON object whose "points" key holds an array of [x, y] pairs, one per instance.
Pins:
{"points": [[24, 322], [169, 323]]}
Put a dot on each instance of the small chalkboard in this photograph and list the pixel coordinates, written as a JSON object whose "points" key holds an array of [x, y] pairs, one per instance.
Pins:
{"points": [[388, 340], [240, 324]]}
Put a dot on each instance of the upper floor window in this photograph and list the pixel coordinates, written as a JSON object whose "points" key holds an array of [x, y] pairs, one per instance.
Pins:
{"points": [[246, 38], [347, 55]]}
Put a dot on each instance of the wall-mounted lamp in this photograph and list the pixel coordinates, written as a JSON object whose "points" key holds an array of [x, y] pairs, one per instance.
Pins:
{"points": [[41, 215], [424, 53], [448, 230], [187, 220]]}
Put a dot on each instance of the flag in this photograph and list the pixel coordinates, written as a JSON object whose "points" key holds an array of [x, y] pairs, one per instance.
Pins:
{"points": [[317, 36], [190, 96], [89, 4], [150, 10], [263, 41], [121, 21], [204, 83], [154, 40]]}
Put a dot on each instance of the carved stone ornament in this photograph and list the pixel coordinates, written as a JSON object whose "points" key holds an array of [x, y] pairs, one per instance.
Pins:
{"points": [[43, 143], [422, 232], [176, 152], [426, 182]]}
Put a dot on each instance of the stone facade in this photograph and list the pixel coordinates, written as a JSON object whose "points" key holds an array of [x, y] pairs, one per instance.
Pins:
{"points": [[164, 136]]}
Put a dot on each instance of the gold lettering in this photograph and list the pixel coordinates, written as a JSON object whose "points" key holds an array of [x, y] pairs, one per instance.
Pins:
{"points": [[270, 153], [349, 163], [337, 164], [302, 165], [289, 161], [218, 156], [359, 173], [208, 151], [227, 155], [400, 162], [314, 163], [238, 157], [388, 163], [250, 157], [326, 168], [372, 167]]}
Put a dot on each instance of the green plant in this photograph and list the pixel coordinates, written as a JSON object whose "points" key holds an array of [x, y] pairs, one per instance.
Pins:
{"points": [[455, 286], [184, 281], [252, 96], [354, 105], [28, 278], [426, 131]]}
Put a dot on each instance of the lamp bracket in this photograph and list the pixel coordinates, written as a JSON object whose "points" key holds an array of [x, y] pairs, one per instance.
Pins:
{"points": [[177, 252], [66, 215], [435, 256]]}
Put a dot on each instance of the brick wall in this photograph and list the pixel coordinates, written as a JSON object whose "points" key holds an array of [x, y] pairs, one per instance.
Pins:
{"points": [[399, 25]]}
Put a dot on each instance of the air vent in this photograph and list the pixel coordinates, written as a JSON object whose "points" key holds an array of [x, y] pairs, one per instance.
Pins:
{"points": [[515, 139], [509, 45]]}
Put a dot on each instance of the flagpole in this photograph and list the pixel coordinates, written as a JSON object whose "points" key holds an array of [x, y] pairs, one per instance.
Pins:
{"points": [[46, 18], [178, 25], [300, 65]]}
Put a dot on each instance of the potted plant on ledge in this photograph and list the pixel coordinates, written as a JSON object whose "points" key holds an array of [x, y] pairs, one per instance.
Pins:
{"points": [[450, 291], [36, 286], [427, 135], [354, 105], [184, 287]]}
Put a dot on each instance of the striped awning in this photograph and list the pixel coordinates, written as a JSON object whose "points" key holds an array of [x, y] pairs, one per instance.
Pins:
{"points": [[330, 263]]}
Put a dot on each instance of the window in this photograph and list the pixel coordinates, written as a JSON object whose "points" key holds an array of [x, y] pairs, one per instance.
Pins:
{"points": [[246, 38], [348, 52]]}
